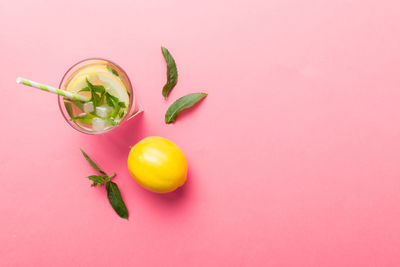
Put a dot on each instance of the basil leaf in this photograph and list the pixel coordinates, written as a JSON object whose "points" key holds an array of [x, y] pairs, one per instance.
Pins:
{"points": [[172, 72], [114, 196], [86, 119], [182, 103], [97, 180], [112, 71], [92, 163]]}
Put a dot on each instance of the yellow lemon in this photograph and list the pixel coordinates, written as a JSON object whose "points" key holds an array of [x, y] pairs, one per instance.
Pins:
{"points": [[158, 164]]}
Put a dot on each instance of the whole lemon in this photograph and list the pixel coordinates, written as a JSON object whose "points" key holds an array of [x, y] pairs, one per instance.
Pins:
{"points": [[158, 164]]}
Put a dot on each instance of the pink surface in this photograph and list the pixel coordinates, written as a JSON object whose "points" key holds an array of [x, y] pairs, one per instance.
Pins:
{"points": [[294, 156]]}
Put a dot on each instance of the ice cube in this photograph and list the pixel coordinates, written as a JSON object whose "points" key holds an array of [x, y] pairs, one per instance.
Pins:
{"points": [[88, 107], [103, 111], [98, 124]]}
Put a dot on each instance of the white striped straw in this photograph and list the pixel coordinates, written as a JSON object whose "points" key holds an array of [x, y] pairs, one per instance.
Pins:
{"points": [[52, 90]]}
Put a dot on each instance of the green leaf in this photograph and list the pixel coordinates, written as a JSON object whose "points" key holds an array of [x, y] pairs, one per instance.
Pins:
{"points": [[115, 112], [122, 104], [182, 103], [111, 176], [172, 72], [109, 100], [112, 101], [94, 89], [86, 89], [90, 85], [99, 89], [113, 122], [77, 103], [92, 163], [113, 71], [97, 179], [121, 115], [86, 119], [68, 107], [114, 98], [114, 196]]}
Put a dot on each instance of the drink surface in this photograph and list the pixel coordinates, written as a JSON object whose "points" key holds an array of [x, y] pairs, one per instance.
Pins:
{"points": [[109, 97]]}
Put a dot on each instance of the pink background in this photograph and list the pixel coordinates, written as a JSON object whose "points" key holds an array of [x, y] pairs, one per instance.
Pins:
{"points": [[294, 156]]}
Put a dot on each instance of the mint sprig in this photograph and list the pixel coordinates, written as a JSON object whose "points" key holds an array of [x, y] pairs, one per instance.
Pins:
{"points": [[113, 193], [99, 96]]}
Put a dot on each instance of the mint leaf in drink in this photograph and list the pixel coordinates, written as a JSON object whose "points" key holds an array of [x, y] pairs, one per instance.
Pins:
{"points": [[115, 112], [68, 107], [112, 71], [90, 85], [113, 122], [86, 118], [114, 102], [77, 103], [109, 99], [92, 163], [172, 72], [99, 89], [85, 89], [182, 103], [95, 98], [94, 89], [97, 180], [115, 198]]}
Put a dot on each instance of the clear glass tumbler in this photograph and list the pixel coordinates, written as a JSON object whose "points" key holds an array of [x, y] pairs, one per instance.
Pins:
{"points": [[132, 110]]}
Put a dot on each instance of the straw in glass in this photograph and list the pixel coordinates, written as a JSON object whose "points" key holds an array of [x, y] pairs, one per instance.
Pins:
{"points": [[51, 89]]}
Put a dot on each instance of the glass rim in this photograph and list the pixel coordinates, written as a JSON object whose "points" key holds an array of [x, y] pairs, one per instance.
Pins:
{"points": [[131, 96]]}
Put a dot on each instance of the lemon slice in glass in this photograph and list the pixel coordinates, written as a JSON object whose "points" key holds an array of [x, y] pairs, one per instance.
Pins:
{"points": [[114, 86]]}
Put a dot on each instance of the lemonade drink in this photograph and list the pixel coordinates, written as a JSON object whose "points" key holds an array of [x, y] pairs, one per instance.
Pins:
{"points": [[105, 86]]}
